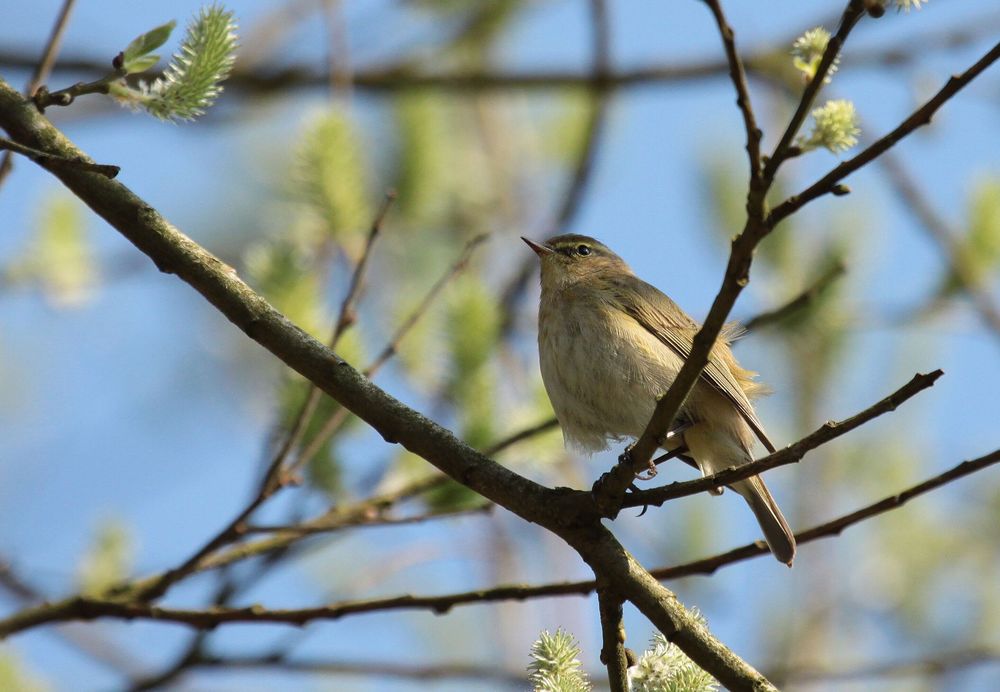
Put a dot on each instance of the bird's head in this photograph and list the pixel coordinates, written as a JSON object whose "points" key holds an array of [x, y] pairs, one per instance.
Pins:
{"points": [[569, 258]]}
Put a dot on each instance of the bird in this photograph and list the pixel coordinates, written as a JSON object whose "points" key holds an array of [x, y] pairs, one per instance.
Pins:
{"points": [[610, 345]]}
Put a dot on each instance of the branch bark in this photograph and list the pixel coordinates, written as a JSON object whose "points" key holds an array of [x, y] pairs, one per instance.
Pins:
{"points": [[613, 653]]}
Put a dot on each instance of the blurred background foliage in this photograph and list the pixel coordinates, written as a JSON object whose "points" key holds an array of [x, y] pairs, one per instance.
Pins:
{"points": [[448, 309]]}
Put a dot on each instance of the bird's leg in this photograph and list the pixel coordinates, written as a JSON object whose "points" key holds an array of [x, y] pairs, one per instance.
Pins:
{"points": [[675, 433], [672, 435]]}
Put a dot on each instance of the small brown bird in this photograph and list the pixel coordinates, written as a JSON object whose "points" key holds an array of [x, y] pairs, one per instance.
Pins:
{"points": [[610, 345]]}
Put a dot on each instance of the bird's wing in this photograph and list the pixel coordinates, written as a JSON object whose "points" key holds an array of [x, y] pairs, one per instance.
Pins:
{"points": [[662, 318]]}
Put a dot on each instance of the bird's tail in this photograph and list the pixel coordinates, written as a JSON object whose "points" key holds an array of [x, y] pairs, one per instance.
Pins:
{"points": [[779, 537]]}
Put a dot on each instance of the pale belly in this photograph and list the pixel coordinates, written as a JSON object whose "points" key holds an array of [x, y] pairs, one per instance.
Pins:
{"points": [[603, 375]]}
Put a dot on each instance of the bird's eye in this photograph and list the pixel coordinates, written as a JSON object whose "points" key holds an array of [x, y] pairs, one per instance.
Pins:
{"points": [[583, 250]]}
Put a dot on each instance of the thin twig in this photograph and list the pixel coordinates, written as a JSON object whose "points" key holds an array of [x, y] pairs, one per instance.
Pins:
{"points": [[338, 56], [385, 669], [852, 13], [86, 609], [921, 116], [798, 303], [414, 317], [91, 643], [52, 161], [377, 521], [42, 70], [346, 317], [43, 98], [737, 74], [526, 433], [51, 51], [789, 455]]}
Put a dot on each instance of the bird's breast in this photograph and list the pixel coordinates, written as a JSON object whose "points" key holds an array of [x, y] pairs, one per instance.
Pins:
{"points": [[602, 370]]}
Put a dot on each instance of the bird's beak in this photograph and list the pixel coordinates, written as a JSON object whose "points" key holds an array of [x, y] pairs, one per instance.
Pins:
{"points": [[540, 249]]}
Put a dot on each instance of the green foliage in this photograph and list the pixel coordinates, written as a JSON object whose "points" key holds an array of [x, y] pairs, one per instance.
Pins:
{"points": [[554, 664], [665, 668], [138, 57], [329, 176], [13, 677], [192, 81], [59, 258], [108, 560]]}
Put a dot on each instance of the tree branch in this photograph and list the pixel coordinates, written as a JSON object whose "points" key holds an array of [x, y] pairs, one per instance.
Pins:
{"points": [[70, 609], [384, 669], [789, 455], [852, 13], [248, 80], [922, 116], [311, 529], [610, 490], [613, 653]]}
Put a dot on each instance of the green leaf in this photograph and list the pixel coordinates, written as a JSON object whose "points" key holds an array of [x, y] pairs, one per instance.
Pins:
{"points": [[141, 46], [141, 64]]}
